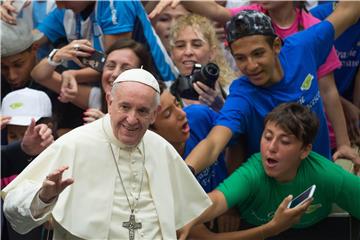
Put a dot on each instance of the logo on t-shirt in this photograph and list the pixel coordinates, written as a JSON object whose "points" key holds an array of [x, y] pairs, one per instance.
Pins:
{"points": [[307, 82]]}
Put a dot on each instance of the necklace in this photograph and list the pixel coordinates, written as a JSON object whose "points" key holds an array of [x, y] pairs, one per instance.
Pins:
{"points": [[131, 225]]}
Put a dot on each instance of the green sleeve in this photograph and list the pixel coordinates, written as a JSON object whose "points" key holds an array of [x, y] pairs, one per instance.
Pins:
{"points": [[239, 185], [349, 195]]}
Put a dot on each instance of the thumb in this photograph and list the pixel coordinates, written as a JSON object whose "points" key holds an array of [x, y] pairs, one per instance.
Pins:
{"points": [[31, 127], [286, 201], [336, 155]]}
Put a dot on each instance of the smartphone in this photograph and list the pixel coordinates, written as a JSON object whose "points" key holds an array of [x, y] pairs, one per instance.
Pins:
{"points": [[95, 61], [300, 199]]}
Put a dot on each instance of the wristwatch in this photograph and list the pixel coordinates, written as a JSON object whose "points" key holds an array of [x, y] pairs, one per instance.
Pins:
{"points": [[50, 57]]}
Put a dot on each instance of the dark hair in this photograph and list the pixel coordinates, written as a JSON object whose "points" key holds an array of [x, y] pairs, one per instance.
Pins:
{"points": [[296, 119], [140, 51]]}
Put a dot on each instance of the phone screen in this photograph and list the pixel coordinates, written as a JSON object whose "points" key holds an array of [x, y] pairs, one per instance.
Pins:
{"points": [[308, 193]]}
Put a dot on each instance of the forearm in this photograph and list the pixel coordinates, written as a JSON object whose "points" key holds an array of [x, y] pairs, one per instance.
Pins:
{"points": [[334, 109], [86, 75], [356, 92], [209, 9], [208, 150], [45, 75]]}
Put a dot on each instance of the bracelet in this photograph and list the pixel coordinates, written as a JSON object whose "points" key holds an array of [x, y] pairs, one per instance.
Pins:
{"points": [[192, 169], [50, 57]]}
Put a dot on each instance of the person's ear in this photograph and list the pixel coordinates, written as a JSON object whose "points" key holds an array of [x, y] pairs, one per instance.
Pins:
{"points": [[277, 45], [305, 151], [212, 54]]}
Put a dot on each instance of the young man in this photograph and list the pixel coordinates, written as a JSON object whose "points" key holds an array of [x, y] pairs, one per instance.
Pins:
{"points": [[273, 75], [285, 165], [126, 182]]}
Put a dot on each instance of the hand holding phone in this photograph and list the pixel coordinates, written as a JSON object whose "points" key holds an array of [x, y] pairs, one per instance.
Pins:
{"points": [[300, 199]]}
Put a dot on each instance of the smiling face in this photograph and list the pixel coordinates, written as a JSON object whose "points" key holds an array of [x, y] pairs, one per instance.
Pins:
{"points": [[117, 62], [171, 122], [190, 47], [281, 152], [258, 60], [132, 108], [16, 69], [165, 20]]}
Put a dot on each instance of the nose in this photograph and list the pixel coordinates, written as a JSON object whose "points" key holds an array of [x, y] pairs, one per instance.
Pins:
{"points": [[116, 73], [251, 65], [12, 74], [273, 146], [188, 50], [181, 114], [132, 118]]}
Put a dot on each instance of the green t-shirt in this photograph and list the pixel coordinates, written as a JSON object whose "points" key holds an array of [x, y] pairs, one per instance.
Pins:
{"points": [[257, 195]]}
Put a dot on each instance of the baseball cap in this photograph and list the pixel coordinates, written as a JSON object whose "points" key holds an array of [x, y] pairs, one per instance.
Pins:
{"points": [[24, 104], [138, 75], [247, 23], [16, 38]]}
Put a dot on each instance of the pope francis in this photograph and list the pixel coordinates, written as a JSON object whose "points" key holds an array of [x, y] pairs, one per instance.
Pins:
{"points": [[110, 179]]}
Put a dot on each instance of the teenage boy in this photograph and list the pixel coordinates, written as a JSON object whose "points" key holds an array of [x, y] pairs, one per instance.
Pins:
{"points": [[273, 75], [285, 165]]}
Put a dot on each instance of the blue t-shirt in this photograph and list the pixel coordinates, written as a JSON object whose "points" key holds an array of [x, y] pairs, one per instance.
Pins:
{"points": [[348, 49], [109, 18], [247, 105], [201, 119]]}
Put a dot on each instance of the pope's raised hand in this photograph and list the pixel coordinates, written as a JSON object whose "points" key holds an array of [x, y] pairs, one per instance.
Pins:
{"points": [[53, 185]]}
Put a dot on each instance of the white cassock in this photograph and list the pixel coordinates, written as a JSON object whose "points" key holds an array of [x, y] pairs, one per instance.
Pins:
{"points": [[95, 206]]}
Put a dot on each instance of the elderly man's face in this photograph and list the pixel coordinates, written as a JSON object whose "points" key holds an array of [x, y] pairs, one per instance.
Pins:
{"points": [[132, 108]]}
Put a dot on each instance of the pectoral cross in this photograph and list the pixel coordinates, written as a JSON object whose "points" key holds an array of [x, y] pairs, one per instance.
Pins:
{"points": [[132, 225]]}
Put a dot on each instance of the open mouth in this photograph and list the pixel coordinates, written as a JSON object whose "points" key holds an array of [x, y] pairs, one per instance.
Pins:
{"points": [[185, 128], [271, 163]]}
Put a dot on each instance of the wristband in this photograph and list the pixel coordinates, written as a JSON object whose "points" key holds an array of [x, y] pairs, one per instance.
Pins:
{"points": [[50, 57]]}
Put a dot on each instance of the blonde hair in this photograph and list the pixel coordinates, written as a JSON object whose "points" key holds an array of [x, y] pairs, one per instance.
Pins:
{"points": [[204, 26]]}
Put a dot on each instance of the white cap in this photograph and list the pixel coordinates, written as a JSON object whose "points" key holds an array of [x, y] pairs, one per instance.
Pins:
{"points": [[16, 38], [138, 75], [24, 104]]}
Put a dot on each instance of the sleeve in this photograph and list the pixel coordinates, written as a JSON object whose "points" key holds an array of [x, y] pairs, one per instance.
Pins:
{"points": [[52, 26], [116, 19], [13, 159], [17, 207], [348, 197], [234, 112], [237, 188], [332, 63], [255, 7], [95, 98]]}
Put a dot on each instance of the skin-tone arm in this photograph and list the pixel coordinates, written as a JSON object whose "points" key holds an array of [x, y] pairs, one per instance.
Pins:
{"points": [[209, 9], [283, 219], [208, 150], [64, 84], [36, 138], [352, 116], [108, 40], [334, 110], [53, 185], [345, 14]]}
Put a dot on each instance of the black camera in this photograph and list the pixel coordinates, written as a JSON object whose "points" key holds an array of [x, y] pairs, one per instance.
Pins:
{"points": [[183, 85]]}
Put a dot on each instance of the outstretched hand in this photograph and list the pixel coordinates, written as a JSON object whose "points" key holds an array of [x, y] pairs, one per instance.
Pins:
{"points": [[209, 96], [53, 185], [36, 138], [4, 120]]}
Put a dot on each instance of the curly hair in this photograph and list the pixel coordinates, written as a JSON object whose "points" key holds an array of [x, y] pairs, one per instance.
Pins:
{"points": [[205, 27]]}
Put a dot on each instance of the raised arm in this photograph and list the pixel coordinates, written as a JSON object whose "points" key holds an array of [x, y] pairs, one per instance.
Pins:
{"points": [[345, 14], [209, 9], [208, 150]]}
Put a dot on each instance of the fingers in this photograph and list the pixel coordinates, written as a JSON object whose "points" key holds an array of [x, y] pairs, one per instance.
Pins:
{"points": [[45, 133], [31, 128], [4, 120], [159, 8], [286, 201], [92, 114]]}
